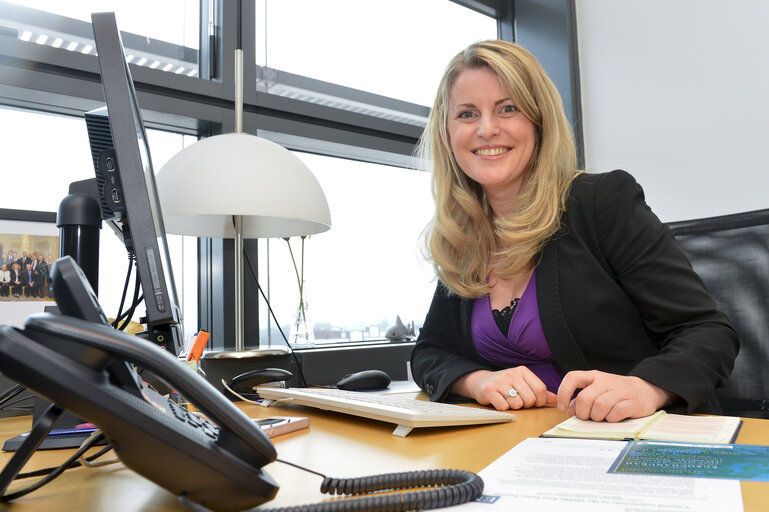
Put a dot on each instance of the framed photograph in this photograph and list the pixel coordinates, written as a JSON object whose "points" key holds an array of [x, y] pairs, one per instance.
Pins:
{"points": [[25, 235]]}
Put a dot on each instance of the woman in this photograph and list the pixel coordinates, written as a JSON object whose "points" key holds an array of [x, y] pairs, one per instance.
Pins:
{"points": [[5, 281], [554, 286]]}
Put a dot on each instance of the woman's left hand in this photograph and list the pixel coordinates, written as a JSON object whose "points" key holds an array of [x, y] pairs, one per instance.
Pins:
{"points": [[610, 397]]}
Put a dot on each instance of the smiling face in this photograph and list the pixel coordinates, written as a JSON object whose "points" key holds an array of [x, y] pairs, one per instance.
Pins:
{"points": [[490, 138]]}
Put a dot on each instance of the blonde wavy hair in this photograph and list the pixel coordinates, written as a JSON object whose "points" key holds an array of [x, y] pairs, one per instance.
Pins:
{"points": [[465, 241]]}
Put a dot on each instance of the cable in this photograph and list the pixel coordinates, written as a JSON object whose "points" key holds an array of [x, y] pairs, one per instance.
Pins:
{"points": [[297, 466], [135, 302], [78, 463], [6, 406], [454, 487], [131, 311], [125, 291], [272, 313], [238, 395], [9, 394], [87, 461], [277, 324], [55, 472], [25, 409]]}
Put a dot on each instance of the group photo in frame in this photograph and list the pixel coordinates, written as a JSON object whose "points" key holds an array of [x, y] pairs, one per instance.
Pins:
{"points": [[29, 244]]}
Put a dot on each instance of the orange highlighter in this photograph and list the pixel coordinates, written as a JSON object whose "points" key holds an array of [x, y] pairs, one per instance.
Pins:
{"points": [[198, 346]]}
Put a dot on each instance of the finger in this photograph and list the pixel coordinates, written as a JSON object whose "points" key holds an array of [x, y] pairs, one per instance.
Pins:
{"points": [[499, 401], [570, 383], [583, 402], [551, 398], [604, 403], [516, 402], [538, 390], [526, 396], [571, 407], [621, 410]]}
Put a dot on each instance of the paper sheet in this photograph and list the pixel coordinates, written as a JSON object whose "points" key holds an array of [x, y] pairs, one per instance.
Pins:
{"points": [[551, 474]]}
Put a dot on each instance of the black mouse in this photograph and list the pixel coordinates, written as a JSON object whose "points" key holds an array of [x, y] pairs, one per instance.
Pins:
{"points": [[246, 382], [364, 381]]}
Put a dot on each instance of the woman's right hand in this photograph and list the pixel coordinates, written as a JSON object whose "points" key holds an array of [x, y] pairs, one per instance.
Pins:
{"points": [[487, 387]]}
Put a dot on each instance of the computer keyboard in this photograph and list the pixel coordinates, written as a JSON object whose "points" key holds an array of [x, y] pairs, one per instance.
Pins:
{"points": [[407, 413]]}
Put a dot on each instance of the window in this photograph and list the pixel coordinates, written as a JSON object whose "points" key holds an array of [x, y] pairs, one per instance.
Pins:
{"points": [[44, 153], [396, 49], [367, 269]]}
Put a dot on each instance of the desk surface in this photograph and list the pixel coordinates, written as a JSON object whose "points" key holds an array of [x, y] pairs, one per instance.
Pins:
{"points": [[336, 445]]}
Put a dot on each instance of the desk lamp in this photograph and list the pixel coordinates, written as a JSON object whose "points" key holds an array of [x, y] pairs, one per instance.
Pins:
{"points": [[240, 186]]}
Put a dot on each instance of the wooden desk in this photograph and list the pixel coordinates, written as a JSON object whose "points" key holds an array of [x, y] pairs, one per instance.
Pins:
{"points": [[336, 445]]}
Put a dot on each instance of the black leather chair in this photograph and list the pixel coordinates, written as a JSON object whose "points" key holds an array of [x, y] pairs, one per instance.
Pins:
{"points": [[731, 254]]}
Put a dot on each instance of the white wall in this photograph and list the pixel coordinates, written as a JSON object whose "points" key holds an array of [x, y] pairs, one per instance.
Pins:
{"points": [[677, 93]]}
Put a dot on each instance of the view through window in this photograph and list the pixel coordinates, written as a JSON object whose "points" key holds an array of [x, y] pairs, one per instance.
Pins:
{"points": [[395, 48], [367, 270]]}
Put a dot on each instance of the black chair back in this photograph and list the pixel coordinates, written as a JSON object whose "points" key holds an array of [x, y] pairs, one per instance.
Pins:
{"points": [[731, 254]]}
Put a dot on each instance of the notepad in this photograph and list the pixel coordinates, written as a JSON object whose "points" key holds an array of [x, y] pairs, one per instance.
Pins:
{"points": [[660, 426]]}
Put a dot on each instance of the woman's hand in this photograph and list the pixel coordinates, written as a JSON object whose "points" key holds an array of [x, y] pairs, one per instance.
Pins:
{"points": [[487, 387], [610, 397]]}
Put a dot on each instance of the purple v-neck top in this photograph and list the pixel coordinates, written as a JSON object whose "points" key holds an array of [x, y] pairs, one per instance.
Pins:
{"points": [[523, 345]]}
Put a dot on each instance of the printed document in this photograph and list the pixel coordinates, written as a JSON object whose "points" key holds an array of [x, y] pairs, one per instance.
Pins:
{"points": [[554, 474], [746, 462]]}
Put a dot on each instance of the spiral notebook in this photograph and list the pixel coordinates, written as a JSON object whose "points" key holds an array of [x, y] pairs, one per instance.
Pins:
{"points": [[659, 426]]}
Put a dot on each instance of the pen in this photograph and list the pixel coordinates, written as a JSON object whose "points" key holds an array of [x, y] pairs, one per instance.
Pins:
{"points": [[66, 431]]}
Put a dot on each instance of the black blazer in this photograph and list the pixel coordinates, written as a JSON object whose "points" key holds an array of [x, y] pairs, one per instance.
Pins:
{"points": [[26, 279], [615, 293]]}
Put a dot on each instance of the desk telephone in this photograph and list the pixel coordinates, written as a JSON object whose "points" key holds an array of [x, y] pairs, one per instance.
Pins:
{"points": [[84, 366]]}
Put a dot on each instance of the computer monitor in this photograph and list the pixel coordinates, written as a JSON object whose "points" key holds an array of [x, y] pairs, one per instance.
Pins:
{"points": [[127, 187]]}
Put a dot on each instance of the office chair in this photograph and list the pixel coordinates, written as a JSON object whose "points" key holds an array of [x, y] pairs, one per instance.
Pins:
{"points": [[731, 254]]}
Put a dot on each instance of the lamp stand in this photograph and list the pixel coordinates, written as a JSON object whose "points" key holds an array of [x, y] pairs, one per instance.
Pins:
{"points": [[238, 219], [239, 328], [240, 351]]}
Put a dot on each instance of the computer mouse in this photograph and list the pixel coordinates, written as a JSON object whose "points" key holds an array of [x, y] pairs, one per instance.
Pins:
{"points": [[364, 381], [246, 382]]}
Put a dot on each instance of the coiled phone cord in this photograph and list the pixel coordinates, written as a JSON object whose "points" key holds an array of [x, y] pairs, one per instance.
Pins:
{"points": [[459, 487]]}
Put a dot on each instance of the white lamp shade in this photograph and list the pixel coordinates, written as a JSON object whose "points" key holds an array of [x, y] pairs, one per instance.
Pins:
{"points": [[205, 184]]}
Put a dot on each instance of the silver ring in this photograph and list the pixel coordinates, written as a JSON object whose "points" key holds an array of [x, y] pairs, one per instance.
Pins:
{"points": [[512, 393]]}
